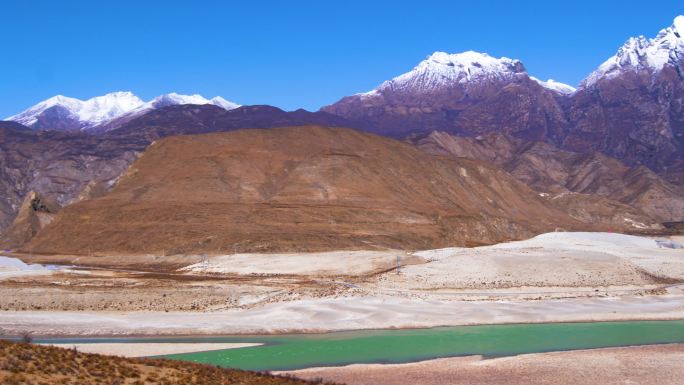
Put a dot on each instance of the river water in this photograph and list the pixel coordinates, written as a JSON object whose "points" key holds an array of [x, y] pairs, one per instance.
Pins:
{"points": [[296, 351]]}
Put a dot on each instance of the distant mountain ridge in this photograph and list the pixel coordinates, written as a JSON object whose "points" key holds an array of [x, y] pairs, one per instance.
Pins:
{"points": [[608, 152], [38, 162], [631, 107], [102, 113], [469, 93], [640, 53]]}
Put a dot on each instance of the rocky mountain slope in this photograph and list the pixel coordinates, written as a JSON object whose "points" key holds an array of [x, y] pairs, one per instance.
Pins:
{"points": [[65, 167], [57, 166], [469, 93], [198, 119], [630, 108], [302, 188], [562, 175], [599, 152]]}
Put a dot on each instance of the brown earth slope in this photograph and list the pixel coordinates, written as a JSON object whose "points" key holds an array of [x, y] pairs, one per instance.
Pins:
{"points": [[298, 189], [65, 167], [591, 182]]}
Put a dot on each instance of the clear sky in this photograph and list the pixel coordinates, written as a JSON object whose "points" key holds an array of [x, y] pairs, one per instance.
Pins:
{"points": [[293, 54]]}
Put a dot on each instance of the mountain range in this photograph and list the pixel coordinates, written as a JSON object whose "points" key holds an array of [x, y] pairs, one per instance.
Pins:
{"points": [[102, 113], [607, 153], [630, 108]]}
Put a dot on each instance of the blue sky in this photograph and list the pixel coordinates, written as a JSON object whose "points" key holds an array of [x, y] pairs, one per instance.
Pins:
{"points": [[293, 54]]}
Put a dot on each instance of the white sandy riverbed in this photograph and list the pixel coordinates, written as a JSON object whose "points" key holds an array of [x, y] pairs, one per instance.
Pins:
{"points": [[555, 277], [14, 267], [322, 315], [331, 263]]}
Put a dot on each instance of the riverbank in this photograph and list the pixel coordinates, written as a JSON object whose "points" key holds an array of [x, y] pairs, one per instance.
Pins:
{"points": [[324, 315], [643, 365], [554, 277]]}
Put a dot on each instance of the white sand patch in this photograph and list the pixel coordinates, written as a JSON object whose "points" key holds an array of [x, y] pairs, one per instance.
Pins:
{"points": [[583, 241], [320, 315], [14, 267], [579, 269], [335, 263], [144, 349], [549, 260]]}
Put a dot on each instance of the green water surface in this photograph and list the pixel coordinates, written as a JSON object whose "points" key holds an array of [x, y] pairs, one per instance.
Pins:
{"points": [[397, 346]]}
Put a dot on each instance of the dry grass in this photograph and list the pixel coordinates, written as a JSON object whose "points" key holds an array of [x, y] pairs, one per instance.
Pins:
{"points": [[27, 364]]}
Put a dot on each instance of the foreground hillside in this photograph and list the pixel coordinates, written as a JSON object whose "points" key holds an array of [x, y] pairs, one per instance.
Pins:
{"points": [[25, 364], [298, 189]]}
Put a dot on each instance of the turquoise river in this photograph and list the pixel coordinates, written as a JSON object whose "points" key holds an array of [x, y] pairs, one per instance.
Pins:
{"points": [[294, 351]]}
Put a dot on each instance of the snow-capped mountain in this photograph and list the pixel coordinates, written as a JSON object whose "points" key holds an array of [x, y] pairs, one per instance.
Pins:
{"points": [[640, 53], [173, 99], [81, 113], [71, 114], [467, 93], [630, 107], [552, 85], [160, 101], [441, 70]]}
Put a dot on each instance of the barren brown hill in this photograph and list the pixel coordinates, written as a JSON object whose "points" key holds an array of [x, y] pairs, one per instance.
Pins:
{"points": [[298, 189], [65, 167], [28, 364], [637, 193]]}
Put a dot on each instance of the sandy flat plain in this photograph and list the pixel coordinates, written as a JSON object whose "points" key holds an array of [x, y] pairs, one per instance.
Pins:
{"points": [[320, 315], [12, 267], [643, 365], [553, 277], [335, 263]]}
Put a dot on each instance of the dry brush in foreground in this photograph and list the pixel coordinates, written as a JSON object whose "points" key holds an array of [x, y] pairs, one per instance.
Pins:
{"points": [[28, 364]]}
